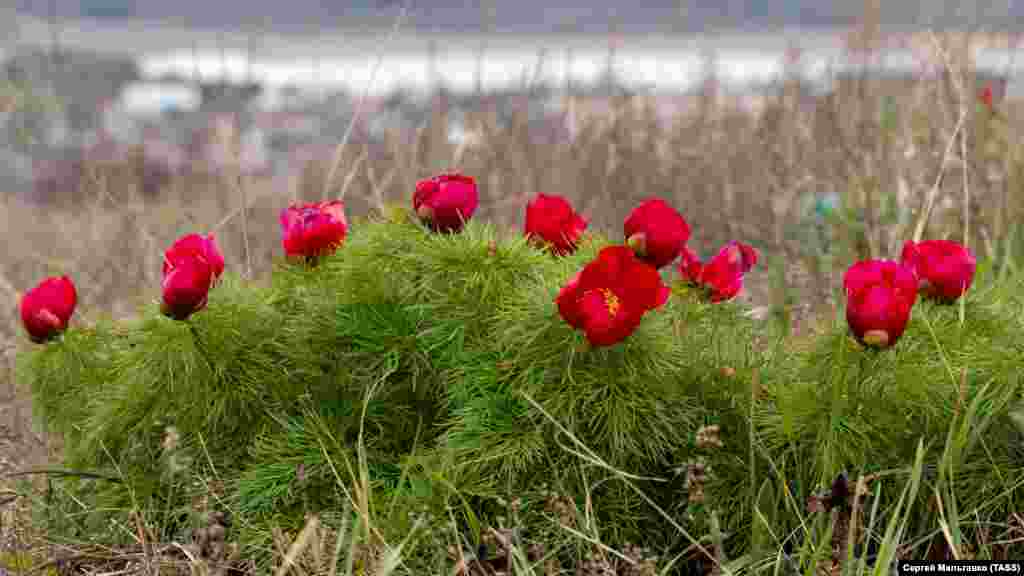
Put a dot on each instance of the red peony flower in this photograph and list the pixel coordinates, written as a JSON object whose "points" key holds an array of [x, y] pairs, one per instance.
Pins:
{"points": [[690, 266], [723, 274], [194, 245], [313, 230], [987, 97], [192, 265], [944, 269], [446, 202], [879, 297], [47, 308], [551, 220], [656, 232], [608, 298]]}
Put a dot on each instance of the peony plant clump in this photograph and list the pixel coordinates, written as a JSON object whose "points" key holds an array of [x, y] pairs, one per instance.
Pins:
{"points": [[456, 365]]}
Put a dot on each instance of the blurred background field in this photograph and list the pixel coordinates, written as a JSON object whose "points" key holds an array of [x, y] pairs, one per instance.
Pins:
{"points": [[818, 142]]}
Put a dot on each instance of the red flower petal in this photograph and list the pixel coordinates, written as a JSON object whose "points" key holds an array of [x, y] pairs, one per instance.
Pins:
{"points": [[724, 273], [568, 302], [607, 320], [690, 266], [195, 246]]}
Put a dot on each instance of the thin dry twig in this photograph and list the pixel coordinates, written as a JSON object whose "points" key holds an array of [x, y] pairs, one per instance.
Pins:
{"points": [[959, 136], [340, 148], [64, 473], [378, 185], [934, 191], [352, 173]]}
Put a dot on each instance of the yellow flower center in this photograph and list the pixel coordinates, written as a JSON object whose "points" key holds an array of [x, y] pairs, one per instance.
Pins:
{"points": [[611, 301]]}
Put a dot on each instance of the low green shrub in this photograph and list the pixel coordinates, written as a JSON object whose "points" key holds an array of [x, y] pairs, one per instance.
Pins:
{"points": [[417, 380]]}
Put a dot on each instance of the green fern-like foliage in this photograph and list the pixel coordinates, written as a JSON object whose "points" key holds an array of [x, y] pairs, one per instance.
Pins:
{"points": [[432, 372], [207, 376], [64, 377], [952, 381]]}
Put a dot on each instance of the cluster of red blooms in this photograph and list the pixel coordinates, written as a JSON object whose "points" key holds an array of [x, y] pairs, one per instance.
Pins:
{"points": [[606, 299], [881, 293]]}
